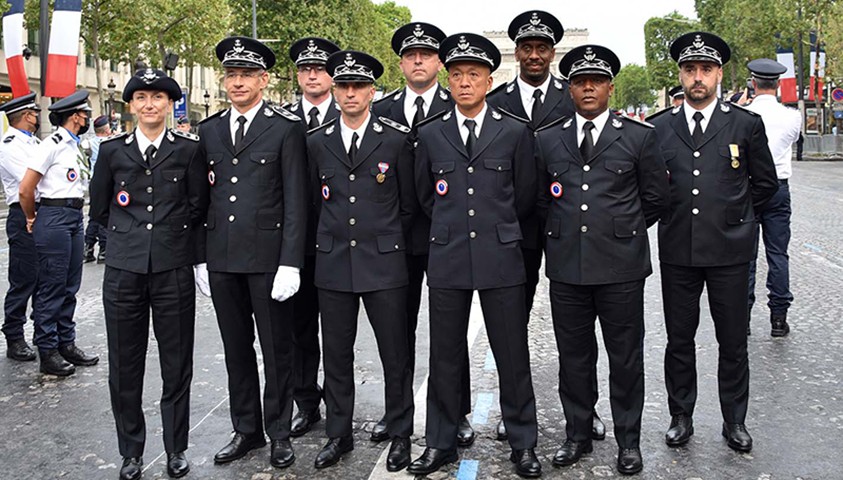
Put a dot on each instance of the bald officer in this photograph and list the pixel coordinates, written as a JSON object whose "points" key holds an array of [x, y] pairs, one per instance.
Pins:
{"points": [[17, 150], [256, 165], [783, 127], [721, 174], [57, 172]]}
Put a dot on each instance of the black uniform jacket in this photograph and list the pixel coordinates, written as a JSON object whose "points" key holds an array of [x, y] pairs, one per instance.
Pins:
{"points": [[475, 203], [154, 212], [392, 106], [598, 211], [312, 207], [557, 104], [716, 189], [365, 207], [258, 196]]}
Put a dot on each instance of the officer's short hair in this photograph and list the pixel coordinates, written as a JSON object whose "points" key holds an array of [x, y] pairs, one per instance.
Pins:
{"points": [[766, 83], [16, 117], [101, 129]]}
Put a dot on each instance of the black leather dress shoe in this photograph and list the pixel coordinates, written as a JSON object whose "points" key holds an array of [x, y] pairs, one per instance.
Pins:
{"points": [[88, 256], [101, 256], [77, 356], [53, 364], [333, 451], [778, 325], [526, 463], [177, 465], [131, 469], [304, 421], [238, 447], [571, 452], [282, 455], [737, 437], [680, 431], [379, 433], [19, 350], [500, 431], [399, 454], [465, 434], [629, 461], [431, 460], [598, 428]]}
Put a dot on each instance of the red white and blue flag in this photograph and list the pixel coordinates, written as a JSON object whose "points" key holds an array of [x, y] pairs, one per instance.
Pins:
{"points": [[64, 48], [13, 47]]}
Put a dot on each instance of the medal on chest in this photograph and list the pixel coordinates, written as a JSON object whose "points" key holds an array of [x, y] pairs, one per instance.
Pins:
{"points": [[383, 167]]}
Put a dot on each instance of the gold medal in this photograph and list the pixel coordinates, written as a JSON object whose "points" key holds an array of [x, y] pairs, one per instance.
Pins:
{"points": [[382, 178], [735, 163]]}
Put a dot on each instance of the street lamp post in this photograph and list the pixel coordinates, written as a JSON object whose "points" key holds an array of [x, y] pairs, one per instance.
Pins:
{"points": [[111, 86], [207, 98]]}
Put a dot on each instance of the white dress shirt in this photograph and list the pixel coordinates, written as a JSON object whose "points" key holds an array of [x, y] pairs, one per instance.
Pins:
{"points": [[599, 123], [707, 112], [478, 119], [322, 108], [410, 102], [783, 126], [250, 116], [347, 132], [527, 91], [144, 143]]}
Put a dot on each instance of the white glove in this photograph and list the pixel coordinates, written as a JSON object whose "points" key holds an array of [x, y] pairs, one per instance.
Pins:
{"points": [[201, 273], [286, 283]]}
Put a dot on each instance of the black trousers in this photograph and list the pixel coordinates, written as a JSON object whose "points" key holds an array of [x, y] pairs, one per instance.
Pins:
{"points": [[386, 310], [307, 393], [506, 327], [237, 297], [127, 299], [620, 308], [681, 290]]}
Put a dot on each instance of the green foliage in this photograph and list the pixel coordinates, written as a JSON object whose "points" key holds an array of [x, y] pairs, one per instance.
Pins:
{"points": [[659, 33], [632, 88]]}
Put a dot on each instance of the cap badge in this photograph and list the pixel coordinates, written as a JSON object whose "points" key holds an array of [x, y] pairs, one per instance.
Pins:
{"points": [[463, 43], [698, 42], [535, 20], [349, 60], [238, 47], [418, 32], [589, 55], [311, 47], [149, 76]]}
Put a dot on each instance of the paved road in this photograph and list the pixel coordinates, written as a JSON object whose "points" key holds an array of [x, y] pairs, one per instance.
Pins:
{"points": [[64, 429]]}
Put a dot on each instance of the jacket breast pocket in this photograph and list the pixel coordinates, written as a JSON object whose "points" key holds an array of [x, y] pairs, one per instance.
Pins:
{"points": [[731, 168], [265, 168], [441, 169], [439, 234], [384, 186], [621, 172], [174, 181], [502, 175], [391, 242], [324, 242]]}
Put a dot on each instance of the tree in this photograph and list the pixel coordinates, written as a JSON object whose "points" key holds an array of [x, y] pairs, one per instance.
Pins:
{"points": [[632, 88], [659, 33]]}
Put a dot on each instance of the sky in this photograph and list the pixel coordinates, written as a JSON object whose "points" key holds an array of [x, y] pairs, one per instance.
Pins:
{"points": [[616, 24]]}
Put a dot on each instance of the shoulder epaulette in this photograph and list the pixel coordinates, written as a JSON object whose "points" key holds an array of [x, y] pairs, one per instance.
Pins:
{"points": [[510, 115], [212, 116], [395, 125], [320, 127], [9, 139], [187, 135], [114, 137], [551, 124], [56, 138], [285, 113], [660, 112], [739, 107], [635, 120], [388, 96], [432, 118]]}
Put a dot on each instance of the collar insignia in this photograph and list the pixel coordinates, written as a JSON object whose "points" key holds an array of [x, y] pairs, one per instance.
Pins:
{"points": [[170, 136], [268, 112], [617, 123], [443, 95], [496, 115], [330, 130], [130, 138], [676, 109], [510, 87], [398, 95], [557, 84], [377, 127], [568, 123], [446, 117], [725, 108]]}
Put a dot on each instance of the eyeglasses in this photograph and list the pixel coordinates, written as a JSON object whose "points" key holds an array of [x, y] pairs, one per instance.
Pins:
{"points": [[311, 69], [243, 75]]}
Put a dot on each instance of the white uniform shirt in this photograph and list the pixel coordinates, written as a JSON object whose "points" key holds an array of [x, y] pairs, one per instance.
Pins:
{"points": [[322, 109], [347, 133], [478, 121], [58, 160], [17, 151], [707, 112], [233, 115], [599, 123], [410, 102], [527, 91], [782, 125]]}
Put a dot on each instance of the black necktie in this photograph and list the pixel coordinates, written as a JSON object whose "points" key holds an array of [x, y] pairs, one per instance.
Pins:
{"points": [[537, 104], [697, 135], [352, 150], [314, 118], [149, 154], [472, 135], [238, 135], [419, 111], [587, 145]]}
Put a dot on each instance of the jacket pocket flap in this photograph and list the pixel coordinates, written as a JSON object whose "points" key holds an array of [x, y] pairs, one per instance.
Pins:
{"points": [[497, 164], [442, 167], [738, 214], [619, 166], [553, 226], [509, 232], [214, 158], [629, 226], [121, 224], [324, 242], [558, 168], [391, 242], [180, 223], [173, 174], [263, 157], [270, 219], [439, 234], [326, 173]]}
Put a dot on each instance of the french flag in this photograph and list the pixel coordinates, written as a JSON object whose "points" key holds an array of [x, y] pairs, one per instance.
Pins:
{"points": [[787, 82], [64, 48], [13, 47]]}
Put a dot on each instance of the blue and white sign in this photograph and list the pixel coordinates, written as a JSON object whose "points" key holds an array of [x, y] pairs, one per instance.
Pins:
{"points": [[180, 107]]}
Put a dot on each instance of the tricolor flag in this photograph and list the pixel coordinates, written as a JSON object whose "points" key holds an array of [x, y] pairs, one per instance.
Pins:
{"points": [[787, 82], [64, 48], [13, 47], [817, 84]]}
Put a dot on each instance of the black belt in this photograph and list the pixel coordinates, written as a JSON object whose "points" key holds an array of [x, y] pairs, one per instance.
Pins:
{"points": [[15, 205], [64, 202], [782, 181]]}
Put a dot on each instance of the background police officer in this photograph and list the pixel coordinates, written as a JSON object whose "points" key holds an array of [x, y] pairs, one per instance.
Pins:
{"points": [[365, 181], [317, 106], [57, 171], [148, 188], [256, 161], [18, 148], [605, 184], [783, 126], [677, 95], [95, 232], [475, 178], [721, 173], [417, 46]]}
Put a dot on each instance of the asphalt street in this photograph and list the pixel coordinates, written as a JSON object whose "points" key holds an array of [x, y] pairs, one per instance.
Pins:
{"points": [[63, 428]]}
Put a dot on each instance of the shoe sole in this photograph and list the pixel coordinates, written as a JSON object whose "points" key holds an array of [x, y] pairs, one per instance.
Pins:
{"points": [[674, 443], [21, 359], [568, 464], [178, 475], [283, 464], [597, 437], [398, 468], [630, 472], [84, 364], [733, 446], [453, 458], [779, 333], [379, 438], [55, 374], [238, 457]]}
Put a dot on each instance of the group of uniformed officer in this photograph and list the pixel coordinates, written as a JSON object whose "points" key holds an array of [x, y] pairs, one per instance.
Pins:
{"points": [[282, 228]]}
